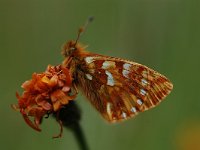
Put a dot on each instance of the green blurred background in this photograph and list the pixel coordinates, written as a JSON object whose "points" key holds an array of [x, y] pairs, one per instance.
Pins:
{"points": [[162, 34]]}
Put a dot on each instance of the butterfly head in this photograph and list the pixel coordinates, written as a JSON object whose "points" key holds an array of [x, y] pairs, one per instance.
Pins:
{"points": [[69, 48], [73, 49]]}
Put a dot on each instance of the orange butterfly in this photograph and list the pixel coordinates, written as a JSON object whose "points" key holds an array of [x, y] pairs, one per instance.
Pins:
{"points": [[117, 88]]}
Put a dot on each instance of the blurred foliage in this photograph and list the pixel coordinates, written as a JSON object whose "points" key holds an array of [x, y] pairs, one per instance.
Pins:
{"points": [[162, 34]]}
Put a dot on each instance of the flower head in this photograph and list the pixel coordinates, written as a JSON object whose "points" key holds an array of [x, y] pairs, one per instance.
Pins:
{"points": [[44, 94]]}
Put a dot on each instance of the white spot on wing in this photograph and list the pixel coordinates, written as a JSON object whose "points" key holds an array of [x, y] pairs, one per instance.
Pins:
{"points": [[142, 91], [88, 76], [144, 82], [108, 64], [110, 80], [108, 108], [105, 65], [89, 60], [126, 66], [133, 109], [123, 114], [125, 73], [139, 102]]}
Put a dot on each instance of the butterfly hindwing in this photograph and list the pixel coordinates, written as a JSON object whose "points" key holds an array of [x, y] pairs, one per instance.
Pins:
{"points": [[118, 88]]}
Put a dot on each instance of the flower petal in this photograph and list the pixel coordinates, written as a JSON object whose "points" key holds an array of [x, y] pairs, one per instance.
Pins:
{"points": [[66, 89], [53, 81], [45, 79], [29, 122]]}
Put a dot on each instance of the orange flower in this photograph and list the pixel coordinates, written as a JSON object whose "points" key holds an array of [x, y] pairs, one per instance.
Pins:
{"points": [[44, 94]]}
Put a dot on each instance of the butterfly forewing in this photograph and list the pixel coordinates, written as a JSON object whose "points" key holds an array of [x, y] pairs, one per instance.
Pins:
{"points": [[118, 88]]}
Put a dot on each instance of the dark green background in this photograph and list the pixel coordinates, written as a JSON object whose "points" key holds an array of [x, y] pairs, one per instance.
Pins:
{"points": [[162, 34]]}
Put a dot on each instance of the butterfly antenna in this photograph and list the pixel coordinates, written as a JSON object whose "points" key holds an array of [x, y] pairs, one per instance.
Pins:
{"points": [[83, 28]]}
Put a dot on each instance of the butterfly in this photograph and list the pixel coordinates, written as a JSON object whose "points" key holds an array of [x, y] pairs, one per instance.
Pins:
{"points": [[119, 89]]}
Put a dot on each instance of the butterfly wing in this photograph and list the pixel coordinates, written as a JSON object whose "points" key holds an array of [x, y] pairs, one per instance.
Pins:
{"points": [[120, 89]]}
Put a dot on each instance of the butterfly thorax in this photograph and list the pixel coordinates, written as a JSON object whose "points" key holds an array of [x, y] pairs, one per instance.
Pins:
{"points": [[74, 54]]}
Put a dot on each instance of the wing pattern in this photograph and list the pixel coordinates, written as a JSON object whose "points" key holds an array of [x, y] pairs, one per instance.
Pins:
{"points": [[120, 89]]}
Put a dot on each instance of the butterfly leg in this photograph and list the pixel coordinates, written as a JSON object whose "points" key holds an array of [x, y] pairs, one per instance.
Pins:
{"points": [[75, 88], [67, 61]]}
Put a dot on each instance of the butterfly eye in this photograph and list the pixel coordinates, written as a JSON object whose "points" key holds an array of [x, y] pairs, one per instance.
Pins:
{"points": [[68, 48], [72, 49]]}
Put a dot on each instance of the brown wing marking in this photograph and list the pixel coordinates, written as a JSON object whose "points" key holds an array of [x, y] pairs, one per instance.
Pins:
{"points": [[139, 90]]}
